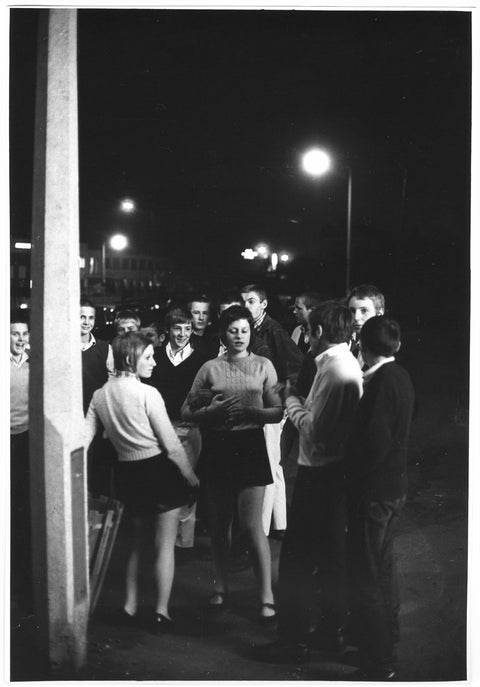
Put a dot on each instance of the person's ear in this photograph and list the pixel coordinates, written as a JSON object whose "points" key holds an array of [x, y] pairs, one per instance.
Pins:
{"points": [[129, 361], [264, 303], [318, 331], [398, 347], [380, 312]]}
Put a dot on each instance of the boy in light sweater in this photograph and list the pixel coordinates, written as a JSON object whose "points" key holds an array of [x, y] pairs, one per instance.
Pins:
{"points": [[19, 461]]}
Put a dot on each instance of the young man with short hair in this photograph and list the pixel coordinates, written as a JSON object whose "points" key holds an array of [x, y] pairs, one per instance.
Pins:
{"points": [[199, 307], [21, 541], [376, 478], [97, 356], [365, 301], [313, 551], [304, 303], [286, 356], [126, 321], [154, 333], [97, 365]]}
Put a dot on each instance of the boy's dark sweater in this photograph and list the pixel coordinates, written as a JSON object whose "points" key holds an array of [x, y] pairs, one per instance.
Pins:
{"points": [[174, 382], [94, 370], [376, 457]]}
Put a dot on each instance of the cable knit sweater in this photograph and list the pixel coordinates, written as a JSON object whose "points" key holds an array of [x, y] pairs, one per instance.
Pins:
{"points": [[135, 420], [250, 379]]}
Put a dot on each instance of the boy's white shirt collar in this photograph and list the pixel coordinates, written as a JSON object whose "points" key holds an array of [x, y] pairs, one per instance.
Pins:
{"points": [[368, 374], [329, 352], [178, 356], [23, 358], [90, 342]]}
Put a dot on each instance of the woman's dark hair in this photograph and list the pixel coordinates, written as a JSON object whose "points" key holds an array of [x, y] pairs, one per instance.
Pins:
{"points": [[232, 314], [381, 336], [128, 349]]}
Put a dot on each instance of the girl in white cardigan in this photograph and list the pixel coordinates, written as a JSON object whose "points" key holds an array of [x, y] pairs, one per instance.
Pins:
{"points": [[154, 478]]}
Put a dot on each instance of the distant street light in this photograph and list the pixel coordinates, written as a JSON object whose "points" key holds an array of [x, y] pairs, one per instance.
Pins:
{"points": [[117, 242], [127, 205], [263, 251], [249, 254], [317, 162]]}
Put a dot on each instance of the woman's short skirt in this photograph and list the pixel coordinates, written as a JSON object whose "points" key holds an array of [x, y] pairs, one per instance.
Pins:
{"points": [[151, 486], [236, 459]]}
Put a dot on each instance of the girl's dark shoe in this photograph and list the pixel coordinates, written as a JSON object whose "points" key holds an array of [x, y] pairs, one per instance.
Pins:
{"points": [[217, 600], [160, 624], [266, 616]]}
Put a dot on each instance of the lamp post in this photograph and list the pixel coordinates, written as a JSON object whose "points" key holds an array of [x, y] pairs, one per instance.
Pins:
{"points": [[117, 242], [317, 162]]}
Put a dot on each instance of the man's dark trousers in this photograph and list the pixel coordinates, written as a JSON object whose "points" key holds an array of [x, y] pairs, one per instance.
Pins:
{"points": [[372, 576], [313, 554]]}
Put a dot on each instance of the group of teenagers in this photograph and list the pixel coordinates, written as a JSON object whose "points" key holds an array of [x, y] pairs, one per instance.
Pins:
{"points": [[192, 411]]}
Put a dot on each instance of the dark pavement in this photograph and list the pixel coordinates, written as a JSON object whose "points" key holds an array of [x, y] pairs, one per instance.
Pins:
{"points": [[432, 558]]}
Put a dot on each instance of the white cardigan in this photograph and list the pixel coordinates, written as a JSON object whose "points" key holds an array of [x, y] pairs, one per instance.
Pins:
{"points": [[135, 420]]}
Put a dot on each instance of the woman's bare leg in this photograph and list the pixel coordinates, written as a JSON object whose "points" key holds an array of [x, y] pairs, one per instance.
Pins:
{"points": [[166, 527], [250, 504], [221, 514], [131, 579]]}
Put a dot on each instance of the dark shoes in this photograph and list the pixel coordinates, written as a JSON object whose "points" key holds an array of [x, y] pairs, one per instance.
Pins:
{"points": [[282, 651], [218, 601], [268, 613], [160, 624]]}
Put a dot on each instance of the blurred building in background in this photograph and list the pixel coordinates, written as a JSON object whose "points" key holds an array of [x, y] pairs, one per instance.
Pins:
{"points": [[125, 276]]}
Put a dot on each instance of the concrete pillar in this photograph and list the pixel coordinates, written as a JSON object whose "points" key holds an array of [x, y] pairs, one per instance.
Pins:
{"points": [[60, 551]]}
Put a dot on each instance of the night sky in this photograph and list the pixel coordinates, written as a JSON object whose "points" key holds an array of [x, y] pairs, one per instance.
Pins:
{"points": [[201, 118]]}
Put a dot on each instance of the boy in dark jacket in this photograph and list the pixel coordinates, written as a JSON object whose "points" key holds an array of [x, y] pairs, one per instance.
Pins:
{"points": [[376, 474]]}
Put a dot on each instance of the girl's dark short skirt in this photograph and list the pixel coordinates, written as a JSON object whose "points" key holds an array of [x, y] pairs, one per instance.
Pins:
{"points": [[237, 458], [151, 486]]}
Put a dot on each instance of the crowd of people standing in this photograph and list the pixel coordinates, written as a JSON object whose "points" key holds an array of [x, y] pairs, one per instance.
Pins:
{"points": [[189, 422]]}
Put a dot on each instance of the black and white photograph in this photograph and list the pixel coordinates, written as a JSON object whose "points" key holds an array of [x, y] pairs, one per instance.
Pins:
{"points": [[241, 313]]}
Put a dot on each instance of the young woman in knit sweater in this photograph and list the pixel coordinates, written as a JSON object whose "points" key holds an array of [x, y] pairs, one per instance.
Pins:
{"points": [[154, 478], [242, 399]]}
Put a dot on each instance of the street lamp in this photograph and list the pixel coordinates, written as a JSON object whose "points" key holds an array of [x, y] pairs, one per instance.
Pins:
{"points": [[117, 242], [263, 251], [317, 162], [127, 205]]}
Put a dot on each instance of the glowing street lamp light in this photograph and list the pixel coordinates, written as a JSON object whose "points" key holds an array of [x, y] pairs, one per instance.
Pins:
{"points": [[127, 205], [317, 162], [262, 250], [284, 257], [249, 254], [117, 242]]}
